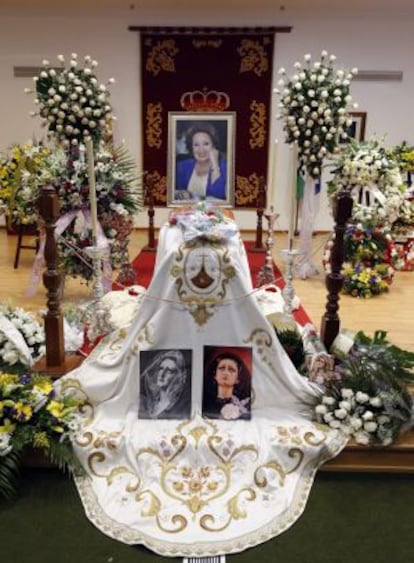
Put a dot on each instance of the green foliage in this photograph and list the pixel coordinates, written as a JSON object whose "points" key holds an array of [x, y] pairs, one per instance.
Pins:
{"points": [[292, 343], [9, 474]]}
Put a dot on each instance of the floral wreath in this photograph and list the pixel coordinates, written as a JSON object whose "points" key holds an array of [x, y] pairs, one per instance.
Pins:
{"points": [[314, 104], [374, 180]]}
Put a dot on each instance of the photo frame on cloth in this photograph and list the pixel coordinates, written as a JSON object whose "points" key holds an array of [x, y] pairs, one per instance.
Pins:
{"points": [[165, 384], [227, 389], [201, 157]]}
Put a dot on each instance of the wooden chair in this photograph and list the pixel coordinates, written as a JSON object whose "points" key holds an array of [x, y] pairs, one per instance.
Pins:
{"points": [[25, 230]]}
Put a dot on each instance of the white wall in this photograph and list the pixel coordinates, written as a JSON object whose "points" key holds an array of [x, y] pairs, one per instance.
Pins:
{"points": [[376, 43]]}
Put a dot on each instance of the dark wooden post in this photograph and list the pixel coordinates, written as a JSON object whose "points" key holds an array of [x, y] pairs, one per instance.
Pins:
{"points": [[261, 203], [342, 211], [149, 199], [55, 362]]}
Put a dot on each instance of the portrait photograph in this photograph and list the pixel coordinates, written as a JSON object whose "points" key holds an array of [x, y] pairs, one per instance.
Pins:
{"points": [[165, 384], [201, 157], [227, 382]]}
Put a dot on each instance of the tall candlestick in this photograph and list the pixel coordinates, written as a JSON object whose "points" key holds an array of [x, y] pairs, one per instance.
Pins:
{"points": [[92, 189], [272, 173], [293, 187]]}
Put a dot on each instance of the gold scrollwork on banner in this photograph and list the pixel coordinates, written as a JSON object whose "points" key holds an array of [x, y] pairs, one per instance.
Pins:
{"points": [[158, 185], [153, 128], [161, 57], [253, 57], [247, 190], [257, 125]]}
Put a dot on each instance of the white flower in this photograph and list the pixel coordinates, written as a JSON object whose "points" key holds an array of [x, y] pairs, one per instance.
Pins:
{"points": [[367, 415], [321, 409], [370, 426], [361, 438], [230, 412], [327, 400], [361, 397], [355, 422], [341, 413], [375, 402]]}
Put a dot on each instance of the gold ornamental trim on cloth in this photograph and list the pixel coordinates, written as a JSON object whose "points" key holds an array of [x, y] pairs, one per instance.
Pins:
{"points": [[153, 129], [175, 488], [253, 57], [242, 504], [257, 129], [158, 185], [202, 271], [161, 56]]}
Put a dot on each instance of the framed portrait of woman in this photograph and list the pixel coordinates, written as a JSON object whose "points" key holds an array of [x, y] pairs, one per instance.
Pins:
{"points": [[165, 384], [227, 382], [201, 157]]}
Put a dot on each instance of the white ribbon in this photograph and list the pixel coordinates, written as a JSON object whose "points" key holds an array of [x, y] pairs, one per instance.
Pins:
{"points": [[305, 268], [12, 334]]}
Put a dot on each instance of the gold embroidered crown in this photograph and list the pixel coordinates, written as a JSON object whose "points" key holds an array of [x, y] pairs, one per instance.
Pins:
{"points": [[205, 100]]}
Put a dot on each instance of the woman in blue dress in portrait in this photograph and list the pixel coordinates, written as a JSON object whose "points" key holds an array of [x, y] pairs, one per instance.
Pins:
{"points": [[204, 174]]}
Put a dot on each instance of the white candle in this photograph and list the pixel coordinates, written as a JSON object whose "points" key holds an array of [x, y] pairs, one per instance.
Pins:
{"points": [[272, 173], [293, 183], [92, 189]]}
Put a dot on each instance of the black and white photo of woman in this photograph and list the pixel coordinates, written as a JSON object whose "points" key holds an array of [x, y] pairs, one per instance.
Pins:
{"points": [[165, 384]]}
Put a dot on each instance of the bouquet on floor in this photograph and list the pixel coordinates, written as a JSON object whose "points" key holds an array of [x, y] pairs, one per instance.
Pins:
{"points": [[369, 400], [33, 415], [22, 338]]}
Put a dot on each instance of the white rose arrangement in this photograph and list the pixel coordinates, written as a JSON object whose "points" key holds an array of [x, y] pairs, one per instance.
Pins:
{"points": [[22, 338], [369, 400], [374, 180], [72, 103], [314, 104]]}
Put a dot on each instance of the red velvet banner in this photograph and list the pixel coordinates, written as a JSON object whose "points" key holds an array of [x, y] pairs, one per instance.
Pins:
{"points": [[208, 71]]}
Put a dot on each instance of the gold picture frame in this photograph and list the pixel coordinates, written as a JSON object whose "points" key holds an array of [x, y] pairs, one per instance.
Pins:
{"points": [[201, 154]]}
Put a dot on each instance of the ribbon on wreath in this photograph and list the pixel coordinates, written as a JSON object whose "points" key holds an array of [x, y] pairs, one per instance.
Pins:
{"points": [[61, 225], [16, 338]]}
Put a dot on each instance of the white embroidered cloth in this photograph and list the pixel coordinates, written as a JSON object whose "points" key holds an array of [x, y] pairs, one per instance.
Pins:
{"points": [[197, 487]]}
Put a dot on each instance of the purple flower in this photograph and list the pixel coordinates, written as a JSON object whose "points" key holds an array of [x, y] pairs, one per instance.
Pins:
{"points": [[25, 379]]}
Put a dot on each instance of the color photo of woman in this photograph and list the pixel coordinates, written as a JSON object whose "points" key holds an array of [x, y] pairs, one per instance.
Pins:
{"points": [[227, 382], [200, 154]]}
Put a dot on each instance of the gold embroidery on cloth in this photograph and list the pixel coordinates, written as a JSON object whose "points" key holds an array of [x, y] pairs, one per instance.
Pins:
{"points": [[153, 128], [262, 341], [202, 273], [253, 57], [257, 125], [247, 190], [161, 57]]}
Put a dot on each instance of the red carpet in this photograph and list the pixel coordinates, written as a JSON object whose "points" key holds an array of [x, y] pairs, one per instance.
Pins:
{"points": [[143, 265]]}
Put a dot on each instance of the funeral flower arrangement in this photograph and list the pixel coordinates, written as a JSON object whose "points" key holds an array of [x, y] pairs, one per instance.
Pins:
{"points": [[118, 195], [20, 170], [374, 180], [72, 103], [314, 104], [370, 259], [22, 338], [368, 399], [32, 415]]}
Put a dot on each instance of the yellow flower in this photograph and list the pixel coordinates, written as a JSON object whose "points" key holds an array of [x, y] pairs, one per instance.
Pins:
{"points": [[8, 427], [56, 409], [43, 385], [24, 412], [8, 379]]}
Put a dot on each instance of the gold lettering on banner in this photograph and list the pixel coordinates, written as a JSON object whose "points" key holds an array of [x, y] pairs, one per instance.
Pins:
{"points": [[253, 57], [153, 129], [257, 125], [161, 57], [201, 43], [247, 190]]}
